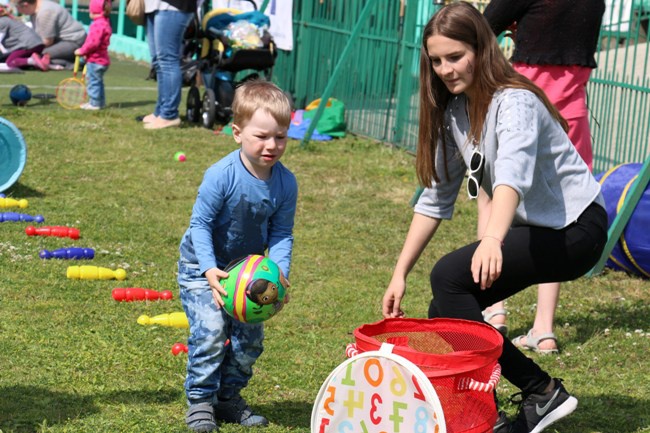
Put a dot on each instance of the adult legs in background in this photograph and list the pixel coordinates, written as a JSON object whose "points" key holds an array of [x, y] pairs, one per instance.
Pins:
{"points": [[95, 84], [165, 31], [22, 58], [62, 53], [580, 136]]}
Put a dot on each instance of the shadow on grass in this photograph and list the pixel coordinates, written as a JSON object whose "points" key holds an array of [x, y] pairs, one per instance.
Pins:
{"points": [[142, 396], [607, 413], [627, 317], [18, 190], [293, 414], [130, 104], [24, 408]]}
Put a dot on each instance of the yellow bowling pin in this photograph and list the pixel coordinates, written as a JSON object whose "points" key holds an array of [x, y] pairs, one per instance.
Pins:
{"points": [[12, 202], [95, 273], [175, 320]]}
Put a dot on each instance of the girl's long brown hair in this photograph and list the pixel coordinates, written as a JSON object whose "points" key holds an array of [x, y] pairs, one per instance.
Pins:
{"points": [[463, 22]]}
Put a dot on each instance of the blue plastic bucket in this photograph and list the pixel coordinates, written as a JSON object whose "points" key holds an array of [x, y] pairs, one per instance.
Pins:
{"points": [[632, 252], [13, 154]]}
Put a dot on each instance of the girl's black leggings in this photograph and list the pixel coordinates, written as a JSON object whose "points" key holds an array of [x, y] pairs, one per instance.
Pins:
{"points": [[531, 255]]}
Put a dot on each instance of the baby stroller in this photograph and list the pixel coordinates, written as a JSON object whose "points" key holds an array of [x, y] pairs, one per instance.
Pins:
{"points": [[232, 42]]}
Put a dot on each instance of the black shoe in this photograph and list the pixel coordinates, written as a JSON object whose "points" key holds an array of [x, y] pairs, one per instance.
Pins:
{"points": [[236, 410], [200, 418], [502, 425], [538, 411]]}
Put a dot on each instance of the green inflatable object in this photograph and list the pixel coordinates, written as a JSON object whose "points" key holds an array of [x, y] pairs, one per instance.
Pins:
{"points": [[255, 290]]}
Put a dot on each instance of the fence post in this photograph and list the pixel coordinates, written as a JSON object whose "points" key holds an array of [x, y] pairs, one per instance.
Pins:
{"points": [[337, 70], [618, 225], [121, 9], [402, 76]]}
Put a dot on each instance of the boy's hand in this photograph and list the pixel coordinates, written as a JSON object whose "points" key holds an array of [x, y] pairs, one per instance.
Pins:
{"points": [[213, 276]]}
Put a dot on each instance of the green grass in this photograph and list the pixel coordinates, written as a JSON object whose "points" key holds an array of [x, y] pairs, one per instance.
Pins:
{"points": [[74, 360]]}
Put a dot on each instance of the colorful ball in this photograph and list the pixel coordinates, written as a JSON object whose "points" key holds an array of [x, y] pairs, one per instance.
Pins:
{"points": [[20, 95], [180, 156], [255, 290]]}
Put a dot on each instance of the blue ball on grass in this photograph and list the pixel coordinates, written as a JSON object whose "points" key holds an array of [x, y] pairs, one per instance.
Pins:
{"points": [[20, 95]]}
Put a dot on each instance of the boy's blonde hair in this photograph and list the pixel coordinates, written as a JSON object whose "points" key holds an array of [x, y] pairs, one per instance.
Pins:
{"points": [[259, 94]]}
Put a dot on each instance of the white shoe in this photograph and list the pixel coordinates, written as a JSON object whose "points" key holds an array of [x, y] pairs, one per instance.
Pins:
{"points": [[89, 106]]}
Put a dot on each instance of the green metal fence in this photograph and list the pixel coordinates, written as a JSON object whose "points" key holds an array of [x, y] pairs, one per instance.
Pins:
{"points": [[378, 82]]}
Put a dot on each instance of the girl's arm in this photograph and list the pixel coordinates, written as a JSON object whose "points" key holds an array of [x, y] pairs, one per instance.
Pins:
{"points": [[420, 233], [487, 260]]}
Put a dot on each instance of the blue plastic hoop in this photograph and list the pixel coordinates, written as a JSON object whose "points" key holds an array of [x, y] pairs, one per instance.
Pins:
{"points": [[13, 154]]}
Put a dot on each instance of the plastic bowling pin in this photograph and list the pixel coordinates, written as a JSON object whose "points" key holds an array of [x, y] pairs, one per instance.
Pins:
{"points": [[130, 294], [22, 217], [12, 202], [175, 320], [58, 231], [178, 348], [73, 253], [94, 273]]}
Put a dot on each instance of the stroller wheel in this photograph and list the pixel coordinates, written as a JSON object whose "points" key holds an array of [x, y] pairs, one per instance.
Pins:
{"points": [[193, 113], [208, 113]]}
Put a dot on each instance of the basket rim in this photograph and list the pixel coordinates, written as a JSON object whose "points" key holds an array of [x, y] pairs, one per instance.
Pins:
{"points": [[457, 362]]}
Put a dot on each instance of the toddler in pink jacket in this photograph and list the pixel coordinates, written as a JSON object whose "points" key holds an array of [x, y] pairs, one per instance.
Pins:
{"points": [[95, 50]]}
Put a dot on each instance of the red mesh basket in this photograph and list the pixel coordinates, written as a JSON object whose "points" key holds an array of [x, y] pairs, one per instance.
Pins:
{"points": [[458, 356]]}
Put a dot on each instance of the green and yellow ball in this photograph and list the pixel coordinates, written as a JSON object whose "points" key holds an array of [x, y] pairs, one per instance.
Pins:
{"points": [[255, 290]]}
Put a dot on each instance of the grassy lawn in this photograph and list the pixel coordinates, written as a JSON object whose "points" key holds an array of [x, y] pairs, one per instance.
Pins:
{"points": [[74, 360]]}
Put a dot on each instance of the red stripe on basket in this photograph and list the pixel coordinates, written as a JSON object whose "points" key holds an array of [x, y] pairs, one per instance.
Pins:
{"points": [[351, 350], [467, 383]]}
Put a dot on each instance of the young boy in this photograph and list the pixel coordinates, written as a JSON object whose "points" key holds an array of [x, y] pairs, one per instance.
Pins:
{"points": [[245, 205]]}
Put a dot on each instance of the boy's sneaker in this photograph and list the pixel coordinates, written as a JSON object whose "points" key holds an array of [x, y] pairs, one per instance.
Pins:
{"points": [[236, 410], [89, 106], [200, 418], [538, 411]]}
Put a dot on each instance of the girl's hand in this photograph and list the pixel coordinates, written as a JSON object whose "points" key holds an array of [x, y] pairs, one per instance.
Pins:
{"points": [[213, 276], [393, 299], [487, 262]]}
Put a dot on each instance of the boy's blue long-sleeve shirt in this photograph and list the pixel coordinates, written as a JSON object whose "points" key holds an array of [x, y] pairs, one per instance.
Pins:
{"points": [[237, 214]]}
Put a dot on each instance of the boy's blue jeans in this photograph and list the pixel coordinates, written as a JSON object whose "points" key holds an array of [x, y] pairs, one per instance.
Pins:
{"points": [[95, 84], [214, 369]]}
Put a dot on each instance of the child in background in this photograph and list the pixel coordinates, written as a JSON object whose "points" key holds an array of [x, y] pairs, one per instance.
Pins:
{"points": [[20, 45], [245, 205], [95, 50]]}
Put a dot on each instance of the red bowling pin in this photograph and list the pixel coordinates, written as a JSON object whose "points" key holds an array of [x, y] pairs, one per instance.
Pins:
{"points": [[130, 294], [58, 231]]}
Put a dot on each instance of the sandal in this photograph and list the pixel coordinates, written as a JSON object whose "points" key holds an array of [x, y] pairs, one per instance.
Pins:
{"points": [[532, 343], [200, 418], [501, 327]]}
